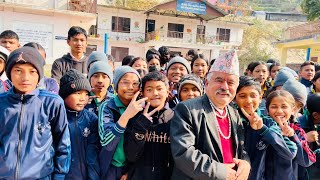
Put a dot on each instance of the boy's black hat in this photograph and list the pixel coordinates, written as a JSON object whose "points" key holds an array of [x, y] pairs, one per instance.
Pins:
{"points": [[73, 81], [25, 55]]}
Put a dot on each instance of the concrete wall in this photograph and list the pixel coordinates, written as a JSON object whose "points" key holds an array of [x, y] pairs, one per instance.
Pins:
{"points": [[53, 25]]}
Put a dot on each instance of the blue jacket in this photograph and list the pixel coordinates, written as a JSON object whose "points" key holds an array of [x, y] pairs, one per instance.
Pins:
{"points": [[34, 136], [111, 136], [278, 167], [83, 127], [259, 143]]}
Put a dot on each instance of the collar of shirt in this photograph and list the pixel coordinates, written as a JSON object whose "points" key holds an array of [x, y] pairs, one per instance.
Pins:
{"points": [[75, 57]]}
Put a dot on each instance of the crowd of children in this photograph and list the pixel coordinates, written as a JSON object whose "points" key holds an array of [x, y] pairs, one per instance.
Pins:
{"points": [[91, 120]]}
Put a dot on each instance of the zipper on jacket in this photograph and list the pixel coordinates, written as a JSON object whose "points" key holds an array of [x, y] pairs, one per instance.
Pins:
{"points": [[19, 142], [76, 128]]}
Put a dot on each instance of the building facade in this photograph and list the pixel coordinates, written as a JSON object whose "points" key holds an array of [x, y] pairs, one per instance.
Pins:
{"points": [[134, 32]]}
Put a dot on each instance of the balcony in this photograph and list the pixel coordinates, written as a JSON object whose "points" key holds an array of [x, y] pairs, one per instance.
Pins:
{"points": [[166, 36], [302, 31], [185, 38], [87, 6]]}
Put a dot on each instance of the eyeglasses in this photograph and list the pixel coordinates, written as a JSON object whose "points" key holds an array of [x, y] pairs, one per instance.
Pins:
{"points": [[127, 84]]}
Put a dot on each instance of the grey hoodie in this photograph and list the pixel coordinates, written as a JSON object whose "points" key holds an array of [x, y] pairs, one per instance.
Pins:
{"points": [[65, 63]]}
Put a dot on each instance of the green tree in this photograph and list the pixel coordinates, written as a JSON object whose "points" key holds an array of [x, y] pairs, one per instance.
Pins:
{"points": [[258, 38], [311, 8]]}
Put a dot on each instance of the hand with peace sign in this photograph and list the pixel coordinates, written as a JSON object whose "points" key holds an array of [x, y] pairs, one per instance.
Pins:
{"points": [[255, 120], [135, 105], [149, 114], [133, 108], [285, 128]]}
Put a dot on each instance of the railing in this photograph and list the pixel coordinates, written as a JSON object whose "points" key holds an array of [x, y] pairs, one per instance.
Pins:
{"points": [[303, 30], [88, 6], [165, 36], [182, 37]]}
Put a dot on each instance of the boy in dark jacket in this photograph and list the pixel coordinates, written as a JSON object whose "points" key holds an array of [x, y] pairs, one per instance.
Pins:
{"points": [[83, 126], [100, 77], [147, 138], [34, 134], [76, 59]]}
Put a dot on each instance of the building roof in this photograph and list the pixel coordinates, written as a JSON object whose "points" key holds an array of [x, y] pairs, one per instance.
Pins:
{"points": [[169, 9]]}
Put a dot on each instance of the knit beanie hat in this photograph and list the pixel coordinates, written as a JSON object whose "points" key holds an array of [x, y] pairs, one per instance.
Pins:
{"points": [[282, 77], [4, 53], [190, 79], [101, 67], [73, 81], [96, 56], [226, 63], [25, 55], [120, 72], [180, 60], [298, 90]]}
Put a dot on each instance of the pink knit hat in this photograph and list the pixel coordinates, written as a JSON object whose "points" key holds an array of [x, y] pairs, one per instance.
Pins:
{"points": [[227, 63]]}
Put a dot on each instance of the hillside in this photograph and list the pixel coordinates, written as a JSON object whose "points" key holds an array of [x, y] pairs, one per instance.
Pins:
{"points": [[275, 5]]}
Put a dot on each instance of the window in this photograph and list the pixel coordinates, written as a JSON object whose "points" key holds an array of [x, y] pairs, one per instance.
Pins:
{"points": [[119, 53], [175, 30], [120, 24], [223, 35]]}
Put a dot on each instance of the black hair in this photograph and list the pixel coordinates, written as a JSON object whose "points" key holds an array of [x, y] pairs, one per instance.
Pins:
{"points": [[306, 63], [253, 65], [316, 76], [154, 76], [192, 52], [272, 61], [136, 59], [142, 72], [75, 30], [316, 67], [212, 61], [9, 34], [245, 81], [313, 103], [273, 65], [152, 56], [199, 56], [164, 51], [35, 45], [127, 60], [152, 51]]}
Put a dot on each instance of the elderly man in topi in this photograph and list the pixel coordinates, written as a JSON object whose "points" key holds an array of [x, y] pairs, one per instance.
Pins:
{"points": [[207, 138]]}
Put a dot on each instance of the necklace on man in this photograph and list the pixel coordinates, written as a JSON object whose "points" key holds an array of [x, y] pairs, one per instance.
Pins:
{"points": [[222, 117]]}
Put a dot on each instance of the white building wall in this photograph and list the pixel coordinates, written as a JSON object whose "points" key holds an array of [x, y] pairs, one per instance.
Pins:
{"points": [[59, 23]]}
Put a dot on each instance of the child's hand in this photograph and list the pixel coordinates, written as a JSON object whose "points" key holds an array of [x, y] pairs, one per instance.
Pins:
{"points": [[312, 136], [286, 129], [149, 115], [256, 122], [135, 106]]}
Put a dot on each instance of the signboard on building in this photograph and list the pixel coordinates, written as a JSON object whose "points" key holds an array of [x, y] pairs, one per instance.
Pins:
{"points": [[35, 32], [191, 6]]}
